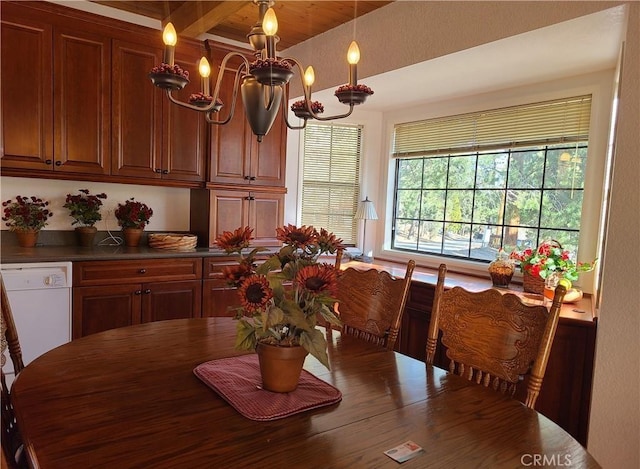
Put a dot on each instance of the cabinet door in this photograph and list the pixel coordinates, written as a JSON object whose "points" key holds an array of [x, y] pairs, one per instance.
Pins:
{"points": [[97, 309], [185, 130], [218, 297], [136, 111], [27, 94], [171, 300], [82, 104], [230, 144], [266, 213], [268, 157]]}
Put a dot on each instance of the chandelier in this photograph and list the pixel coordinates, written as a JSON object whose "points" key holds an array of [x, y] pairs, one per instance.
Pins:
{"points": [[262, 83]]}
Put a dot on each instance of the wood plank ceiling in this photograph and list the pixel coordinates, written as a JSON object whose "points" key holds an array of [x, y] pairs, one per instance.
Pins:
{"points": [[297, 20]]}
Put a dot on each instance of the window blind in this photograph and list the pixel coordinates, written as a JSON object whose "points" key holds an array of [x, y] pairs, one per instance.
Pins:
{"points": [[545, 123], [331, 178]]}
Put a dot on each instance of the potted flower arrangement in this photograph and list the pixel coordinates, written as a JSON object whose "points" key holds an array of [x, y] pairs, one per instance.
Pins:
{"points": [[283, 298], [548, 263], [84, 208], [26, 216], [133, 216]]}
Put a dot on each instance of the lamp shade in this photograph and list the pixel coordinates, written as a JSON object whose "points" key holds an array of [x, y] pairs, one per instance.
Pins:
{"points": [[366, 211]]}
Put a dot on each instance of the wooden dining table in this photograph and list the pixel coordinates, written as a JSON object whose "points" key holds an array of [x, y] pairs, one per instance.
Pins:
{"points": [[129, 398]]}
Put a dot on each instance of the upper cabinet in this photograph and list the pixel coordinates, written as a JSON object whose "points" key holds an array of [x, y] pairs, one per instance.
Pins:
{"points": [[236, 156], [48, 124], [152, 138], [77, 101]]}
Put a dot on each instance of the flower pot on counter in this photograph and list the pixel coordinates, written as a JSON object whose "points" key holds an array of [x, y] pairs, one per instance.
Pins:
{"points": [[27, 238], [86, 235], [132, 236]]}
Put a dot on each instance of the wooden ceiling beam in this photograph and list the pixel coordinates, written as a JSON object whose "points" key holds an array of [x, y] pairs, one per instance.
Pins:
{"points": [[195, 18]]}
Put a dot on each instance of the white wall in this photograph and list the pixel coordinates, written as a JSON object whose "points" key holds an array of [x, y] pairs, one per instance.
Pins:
{"points": [[170, 205]]}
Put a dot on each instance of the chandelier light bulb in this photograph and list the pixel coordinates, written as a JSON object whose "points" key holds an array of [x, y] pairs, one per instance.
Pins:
{"points": [[204, 68], [353, 55], [270, 23], [169, 35], [309, 76]]}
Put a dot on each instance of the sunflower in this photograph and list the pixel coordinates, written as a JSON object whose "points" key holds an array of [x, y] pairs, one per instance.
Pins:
{"points": [[235, 275], [328, 242], [255, 293], [297, 237], [235, 241], [317, 278]]}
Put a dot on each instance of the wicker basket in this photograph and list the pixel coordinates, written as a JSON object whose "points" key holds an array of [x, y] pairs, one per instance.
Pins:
{"points": [[532, 284], [173, 241]]}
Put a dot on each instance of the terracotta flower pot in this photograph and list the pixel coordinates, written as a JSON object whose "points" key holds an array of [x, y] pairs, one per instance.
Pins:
{"points": [[86, 235], [280, 367], [27, 238], [132, 236]]}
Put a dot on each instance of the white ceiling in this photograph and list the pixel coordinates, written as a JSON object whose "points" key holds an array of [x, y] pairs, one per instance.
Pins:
{"points": [[582, 45]]}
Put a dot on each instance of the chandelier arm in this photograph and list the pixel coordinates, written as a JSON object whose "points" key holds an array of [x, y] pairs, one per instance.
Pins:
{"points": [[307, 98], [285, 111], [236, 86]]}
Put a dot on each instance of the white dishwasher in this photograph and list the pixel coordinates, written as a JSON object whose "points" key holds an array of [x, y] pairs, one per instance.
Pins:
{"points": [[40, 299]]}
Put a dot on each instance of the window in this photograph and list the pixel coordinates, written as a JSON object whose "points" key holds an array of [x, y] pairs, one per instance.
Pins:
{"points": [[331, 178], [469, 185]]}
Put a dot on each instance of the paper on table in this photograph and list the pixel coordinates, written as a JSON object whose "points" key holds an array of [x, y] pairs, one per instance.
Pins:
{"points": [[404, 452]]}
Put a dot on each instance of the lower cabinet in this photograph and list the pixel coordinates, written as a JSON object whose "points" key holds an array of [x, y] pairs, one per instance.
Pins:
{"points": [[566, 390], [110, 294]]}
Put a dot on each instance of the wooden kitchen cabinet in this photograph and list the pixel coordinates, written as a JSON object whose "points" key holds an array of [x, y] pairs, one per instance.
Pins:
{"points": [[54, 125], [153, 138], [109, 294], [566, 390], [214, 211], [236, 157]]}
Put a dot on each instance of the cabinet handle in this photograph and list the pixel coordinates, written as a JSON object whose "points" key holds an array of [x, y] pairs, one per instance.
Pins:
{"points": [[48, 161], [147, 291], [58, 163], [138, 292], [247, 178], [165, 171], [250, 198], [158, 170], [252, 178], [142, 271]]}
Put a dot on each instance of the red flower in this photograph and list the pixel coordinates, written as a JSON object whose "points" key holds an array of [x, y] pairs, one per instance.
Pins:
{"points": [[234, 241], [296, 237], [318, 278], [255, 293]]}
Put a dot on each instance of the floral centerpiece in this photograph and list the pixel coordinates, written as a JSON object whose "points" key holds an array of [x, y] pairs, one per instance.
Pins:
{"points": [[26, 216], [85, 207], [550, 260], [26, 213], [283, 298], [133, 214]]}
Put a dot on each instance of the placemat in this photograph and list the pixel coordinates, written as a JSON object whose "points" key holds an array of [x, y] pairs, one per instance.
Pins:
{"points": [[237, 380]]}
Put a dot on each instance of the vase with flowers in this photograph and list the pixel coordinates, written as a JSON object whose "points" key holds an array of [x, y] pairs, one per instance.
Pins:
{"points": [[549, 263], [84, 208], [26, 216], [133, 216], [283, 299]]}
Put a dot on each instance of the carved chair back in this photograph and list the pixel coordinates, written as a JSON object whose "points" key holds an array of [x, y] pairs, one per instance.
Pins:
{"points": [[371, 303], [12, 446], [493, 338]]}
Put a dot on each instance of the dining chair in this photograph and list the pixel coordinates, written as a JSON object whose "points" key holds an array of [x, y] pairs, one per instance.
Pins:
{"points": [[371, 303], [12, 444], [493, 338]]}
